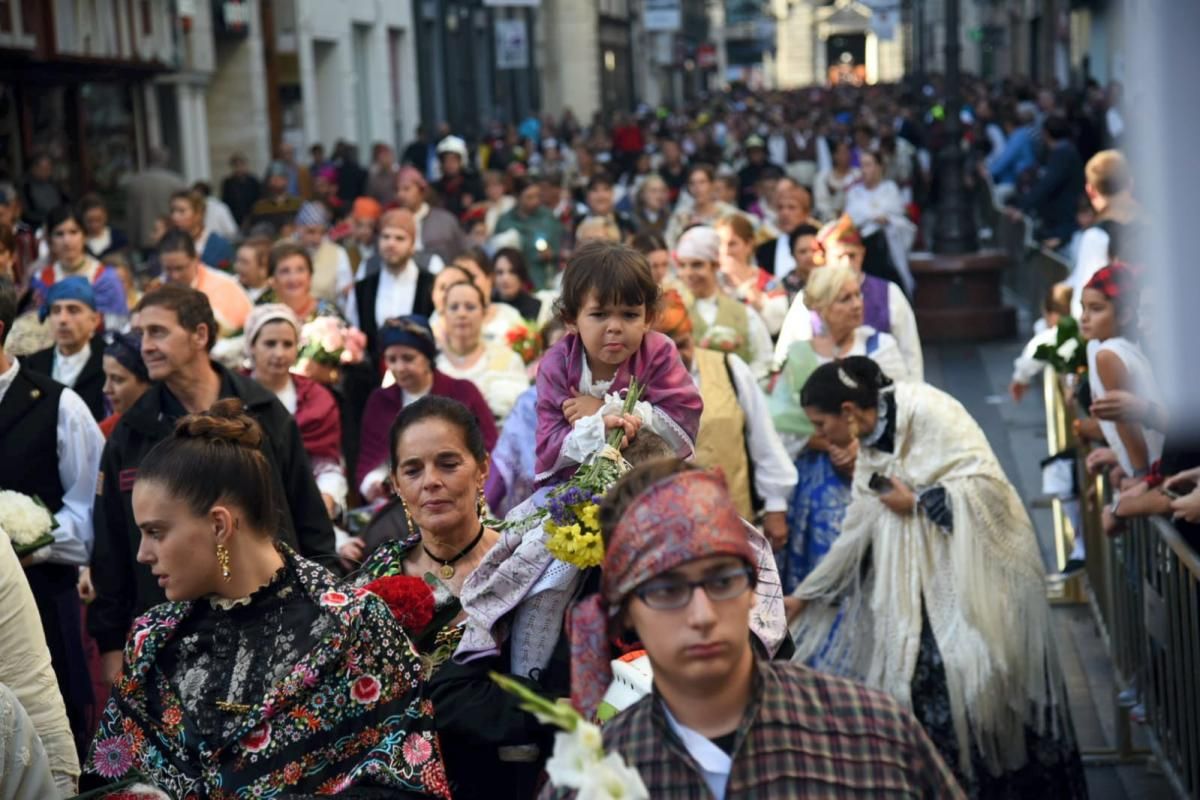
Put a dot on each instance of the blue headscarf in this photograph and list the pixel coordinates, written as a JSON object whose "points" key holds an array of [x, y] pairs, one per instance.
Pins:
{"points": [[75, 287], [126, 348], [411, 331]]}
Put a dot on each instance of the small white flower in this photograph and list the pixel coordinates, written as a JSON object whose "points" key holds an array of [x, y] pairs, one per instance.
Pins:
{"points": [[612, 779], [1067, 349]]}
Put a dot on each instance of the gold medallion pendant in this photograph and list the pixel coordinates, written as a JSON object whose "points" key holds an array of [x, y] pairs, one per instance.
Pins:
{"points": [[446, 570]]}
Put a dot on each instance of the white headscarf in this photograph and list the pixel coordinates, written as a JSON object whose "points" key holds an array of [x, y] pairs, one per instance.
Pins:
{"points": [[701, 243], [261, 315]]}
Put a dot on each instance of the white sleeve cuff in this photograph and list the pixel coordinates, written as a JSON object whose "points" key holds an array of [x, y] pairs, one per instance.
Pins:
{"points": [[371, 484], [586, 438], [773, 504]]}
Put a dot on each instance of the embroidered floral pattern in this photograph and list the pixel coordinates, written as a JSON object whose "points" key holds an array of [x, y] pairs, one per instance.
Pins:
{"points": [[340, 709], [258, 739], [335, 599], [112, 757], [417, 749], [365, 689]]}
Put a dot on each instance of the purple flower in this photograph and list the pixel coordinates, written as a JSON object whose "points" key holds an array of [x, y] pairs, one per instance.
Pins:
{"points": [[558, 510], [573, 496], [112, 756]]}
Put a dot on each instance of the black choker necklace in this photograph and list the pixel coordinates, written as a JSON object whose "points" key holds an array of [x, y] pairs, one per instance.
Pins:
{"points": [[447, 570]]}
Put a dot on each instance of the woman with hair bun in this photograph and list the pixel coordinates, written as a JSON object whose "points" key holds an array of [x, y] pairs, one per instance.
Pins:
{"points": [[258, 675], [934, 590]]}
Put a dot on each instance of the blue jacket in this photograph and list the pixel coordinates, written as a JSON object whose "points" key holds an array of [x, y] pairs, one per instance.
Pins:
{"points": [[218, 253], [1017, 156]]}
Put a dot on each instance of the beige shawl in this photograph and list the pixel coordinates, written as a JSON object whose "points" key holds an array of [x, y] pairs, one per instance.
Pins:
{"points": [[982, 585]]}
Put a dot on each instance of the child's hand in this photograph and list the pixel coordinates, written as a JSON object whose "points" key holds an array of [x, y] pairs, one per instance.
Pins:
{"points": [[629, 423], [579, 406]]}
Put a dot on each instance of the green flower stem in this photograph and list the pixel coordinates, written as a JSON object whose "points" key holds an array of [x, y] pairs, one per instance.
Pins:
{"points": [[559, 713]]}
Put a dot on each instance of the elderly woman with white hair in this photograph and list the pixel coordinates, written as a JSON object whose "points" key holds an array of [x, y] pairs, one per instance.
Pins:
{"points": [[332, 275], [823, 469], [719, 321], [272, 342]]}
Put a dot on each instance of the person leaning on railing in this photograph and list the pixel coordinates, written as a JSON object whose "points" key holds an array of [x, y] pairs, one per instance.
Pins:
{"points": [[1173, 486]]}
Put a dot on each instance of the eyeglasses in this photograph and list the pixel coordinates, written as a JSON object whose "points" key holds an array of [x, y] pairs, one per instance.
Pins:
{"points": [[670, 595]]}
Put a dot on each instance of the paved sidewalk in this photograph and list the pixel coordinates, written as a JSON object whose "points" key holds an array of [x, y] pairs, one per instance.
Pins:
{"points": [[978, 375]]}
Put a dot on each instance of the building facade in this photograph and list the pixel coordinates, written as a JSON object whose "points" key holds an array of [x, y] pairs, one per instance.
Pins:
{"points": [[78, 83], [846, 41], [588, 53], [341, 70], [668, 37], [1055, 42], [477, 62]]}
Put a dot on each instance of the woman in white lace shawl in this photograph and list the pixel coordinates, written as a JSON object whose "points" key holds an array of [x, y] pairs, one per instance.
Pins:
{"points": [[934, 590]]}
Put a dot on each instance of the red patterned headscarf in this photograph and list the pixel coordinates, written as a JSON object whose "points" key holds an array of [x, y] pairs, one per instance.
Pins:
{"points": [[679, 519]]}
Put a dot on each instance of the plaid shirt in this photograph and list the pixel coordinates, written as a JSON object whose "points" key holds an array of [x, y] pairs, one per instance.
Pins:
{"points": [[804, 734]]}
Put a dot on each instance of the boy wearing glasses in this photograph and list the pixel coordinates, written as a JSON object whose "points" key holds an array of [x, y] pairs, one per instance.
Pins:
{"points": [[721, 721]]}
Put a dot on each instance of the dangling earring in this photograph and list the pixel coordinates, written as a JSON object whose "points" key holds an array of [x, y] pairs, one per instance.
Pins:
{"points": [[412, 524], [482, 508], [223, 560], [853, 428]]}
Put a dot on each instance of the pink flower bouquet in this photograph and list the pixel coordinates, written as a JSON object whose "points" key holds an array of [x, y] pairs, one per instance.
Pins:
{"points": [[330, 342]]}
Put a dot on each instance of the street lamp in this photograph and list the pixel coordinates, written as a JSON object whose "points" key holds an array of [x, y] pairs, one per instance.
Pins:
{"points": [[954, 232], [960, 292]]}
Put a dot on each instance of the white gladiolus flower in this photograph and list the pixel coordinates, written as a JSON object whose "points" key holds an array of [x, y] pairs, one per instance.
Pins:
{"points": [[612, 779], [22, 518], [572, 757]]}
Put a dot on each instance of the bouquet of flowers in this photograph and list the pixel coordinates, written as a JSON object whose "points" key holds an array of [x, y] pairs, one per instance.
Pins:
{"points": [[525, 340], [424, 607], [579, 761], [572, 510], [574, 528], [330, 342], [26, 521], [1068, 354], [722, 338]]}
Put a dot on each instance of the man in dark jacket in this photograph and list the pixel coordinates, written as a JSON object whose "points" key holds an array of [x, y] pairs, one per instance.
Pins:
{"points": [[177, 333], [241, 190], [1055, 196]]}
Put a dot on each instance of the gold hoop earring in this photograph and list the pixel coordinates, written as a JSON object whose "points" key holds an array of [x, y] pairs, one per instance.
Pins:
{"points": [[223, 560]]}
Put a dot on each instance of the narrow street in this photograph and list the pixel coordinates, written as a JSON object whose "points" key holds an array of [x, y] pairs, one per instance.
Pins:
{"points": [[978, 375]]}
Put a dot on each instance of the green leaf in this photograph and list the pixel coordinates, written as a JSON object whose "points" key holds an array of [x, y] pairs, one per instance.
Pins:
{"points": [[559, 714]]}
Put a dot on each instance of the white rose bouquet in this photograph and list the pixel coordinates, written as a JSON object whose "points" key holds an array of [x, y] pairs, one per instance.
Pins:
{"points": [[26, 521], [579, 761]]}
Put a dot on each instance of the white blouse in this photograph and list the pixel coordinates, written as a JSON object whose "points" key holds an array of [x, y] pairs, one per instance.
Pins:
{"points": [[499, 374]]}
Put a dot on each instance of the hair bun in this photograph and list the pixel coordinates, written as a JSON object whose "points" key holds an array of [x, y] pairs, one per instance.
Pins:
{"points": [[226, 421]]}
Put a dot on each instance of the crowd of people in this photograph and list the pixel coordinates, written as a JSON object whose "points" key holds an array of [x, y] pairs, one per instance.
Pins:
{"points": [[253, 413]]}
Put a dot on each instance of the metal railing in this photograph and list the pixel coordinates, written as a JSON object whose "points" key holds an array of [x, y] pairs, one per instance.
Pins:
{"points": [[1144, 590]]}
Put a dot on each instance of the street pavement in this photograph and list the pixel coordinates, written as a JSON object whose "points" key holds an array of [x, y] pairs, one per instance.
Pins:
{"points": [[978, 375]]}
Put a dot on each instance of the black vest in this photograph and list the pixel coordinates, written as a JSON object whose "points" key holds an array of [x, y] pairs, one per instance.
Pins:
{"points": [[29, 433], [90, 383], [366, 290]]}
